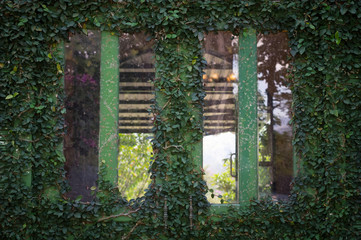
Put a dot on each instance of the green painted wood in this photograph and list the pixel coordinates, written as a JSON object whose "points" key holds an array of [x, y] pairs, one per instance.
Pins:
{"points": [[223, 208], [27, 175], [52, 192], [197, 154], [60, 52], [109, 108], [247, 119], [295, 162]]}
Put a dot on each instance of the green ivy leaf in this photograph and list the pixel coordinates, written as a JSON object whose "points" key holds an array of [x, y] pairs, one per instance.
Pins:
{"points": [[334, 112], [96, 22], [337, 37], [343, 9], [85, 31], [131, 24], [22, 22], [171, 36], [10, 96], [59, 68], [200, 36]]}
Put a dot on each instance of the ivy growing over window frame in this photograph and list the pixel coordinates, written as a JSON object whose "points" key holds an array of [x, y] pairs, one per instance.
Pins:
{"points": [[326, 49]]}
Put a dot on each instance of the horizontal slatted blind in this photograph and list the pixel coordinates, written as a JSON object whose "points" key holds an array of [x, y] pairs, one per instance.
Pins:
{"points": [[136, 89]]}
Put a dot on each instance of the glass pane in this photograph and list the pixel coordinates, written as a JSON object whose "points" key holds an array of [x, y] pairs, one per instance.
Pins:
{"points": [[274, 114], [135, 153], [82, 75], [136, 94], [220, 116]]}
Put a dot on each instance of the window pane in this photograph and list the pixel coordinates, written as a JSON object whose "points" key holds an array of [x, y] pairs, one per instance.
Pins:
{"points": [[274, 113], [136, 94], [220, 111], [82, 75]]}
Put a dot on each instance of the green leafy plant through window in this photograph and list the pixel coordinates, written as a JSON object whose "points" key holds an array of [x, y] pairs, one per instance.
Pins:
{"points": [[135, 154]]}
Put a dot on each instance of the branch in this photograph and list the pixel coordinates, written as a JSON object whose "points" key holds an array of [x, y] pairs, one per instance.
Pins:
{"points": [[132, 230], [178, 147], [166, 104], [118, 215], [27, 140]]}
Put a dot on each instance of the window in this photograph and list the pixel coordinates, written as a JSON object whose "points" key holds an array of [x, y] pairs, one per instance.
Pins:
{"points": [[276, 165], [82, 86], [108, 98], [232, 159], [136, 93], [221, 116], [110, 90]]}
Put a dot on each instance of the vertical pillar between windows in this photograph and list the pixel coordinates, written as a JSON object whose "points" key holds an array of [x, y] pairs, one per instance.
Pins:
{"points": [[109, 106], [247, 123]]}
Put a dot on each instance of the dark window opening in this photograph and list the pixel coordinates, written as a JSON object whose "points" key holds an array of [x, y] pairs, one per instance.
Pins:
{"points": [[274, 114], [81, 82]]}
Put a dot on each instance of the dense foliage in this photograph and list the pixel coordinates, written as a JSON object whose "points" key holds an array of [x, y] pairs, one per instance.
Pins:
{"points": [[325, 42], [135, 152]]}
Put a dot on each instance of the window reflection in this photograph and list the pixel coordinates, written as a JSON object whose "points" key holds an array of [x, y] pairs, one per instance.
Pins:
{"points": [[136, 94], [82, 74], [220, 111], [274, 115]]}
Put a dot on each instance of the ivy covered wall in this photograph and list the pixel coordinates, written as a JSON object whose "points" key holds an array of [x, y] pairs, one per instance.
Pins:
{"points": [[326, 50]]}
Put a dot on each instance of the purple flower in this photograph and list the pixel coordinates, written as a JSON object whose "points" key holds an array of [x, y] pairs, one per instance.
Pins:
{"points": [[86, 78], [90, 142]]}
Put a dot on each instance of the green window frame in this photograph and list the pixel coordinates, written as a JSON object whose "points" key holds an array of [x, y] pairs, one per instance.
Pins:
{"points": [[246, 139], [247, 124], [247, 119], [109, 106]]}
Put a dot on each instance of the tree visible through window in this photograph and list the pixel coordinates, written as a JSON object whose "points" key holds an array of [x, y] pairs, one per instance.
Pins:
{"points": [[221, 117], [274, 115]]}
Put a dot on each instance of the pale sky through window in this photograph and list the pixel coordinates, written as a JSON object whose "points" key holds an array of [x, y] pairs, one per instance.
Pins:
{"points": [[216, 148]]}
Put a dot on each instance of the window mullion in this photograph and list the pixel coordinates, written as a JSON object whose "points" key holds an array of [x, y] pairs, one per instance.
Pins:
{"points": [[109, 105], [247, 119]]}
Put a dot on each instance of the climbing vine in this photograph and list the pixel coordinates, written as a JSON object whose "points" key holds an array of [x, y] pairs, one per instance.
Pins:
{"points": [[326, 49]]}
